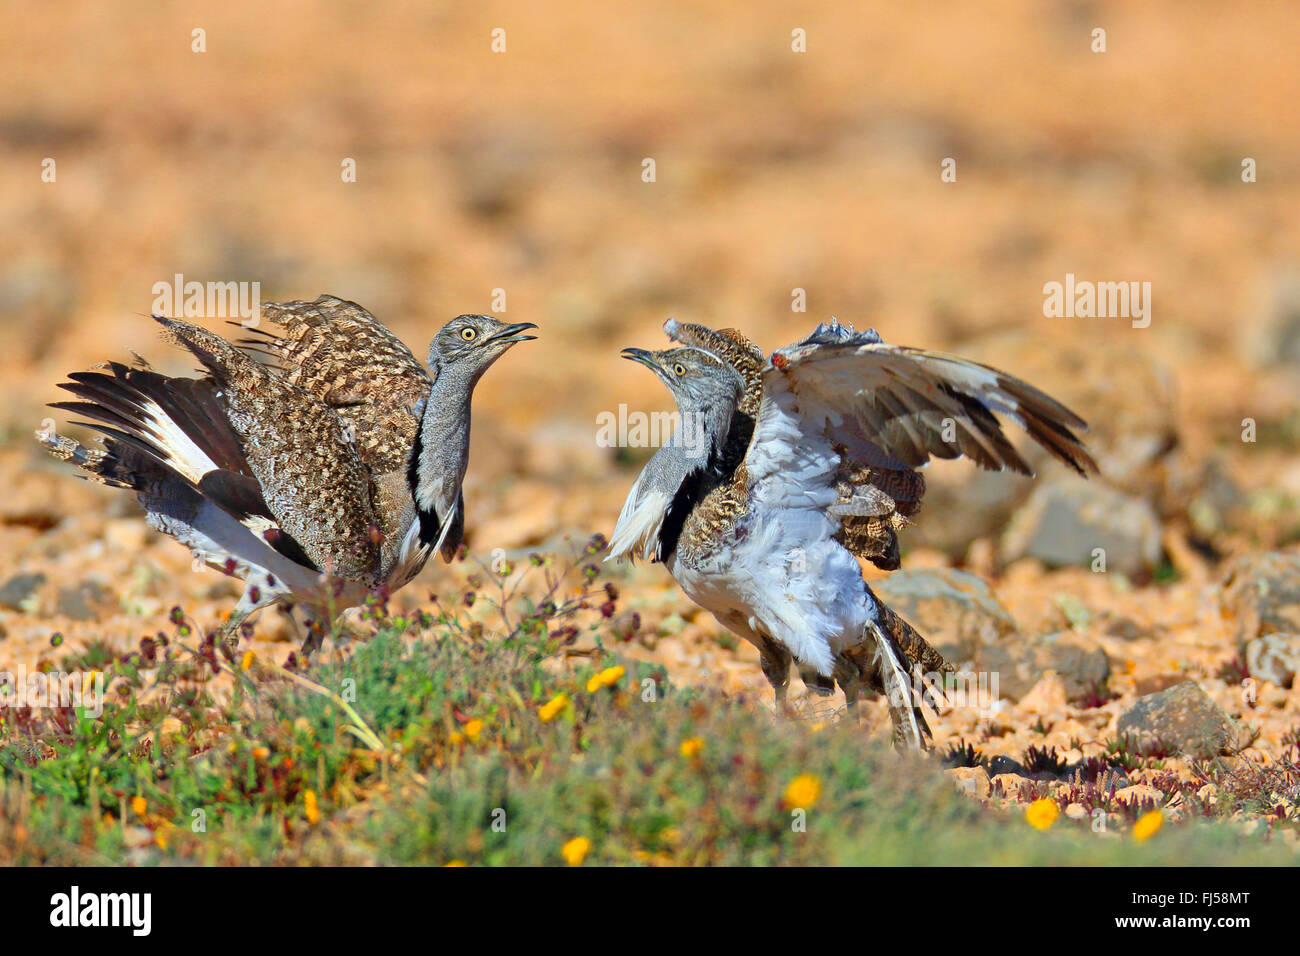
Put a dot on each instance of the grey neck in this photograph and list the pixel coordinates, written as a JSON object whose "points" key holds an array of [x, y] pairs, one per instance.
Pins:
{"points": [[703, 431], [696, 444], [444, 440]]}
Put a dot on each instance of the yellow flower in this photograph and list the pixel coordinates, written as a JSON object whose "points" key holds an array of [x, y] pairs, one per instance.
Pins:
{"points": [[803, 791], [575, 851], [606, 678], [261, 753], [553, 706], [455, 863], [139, 806], [247, 662], [1147, 825], [1041, 814], [309, 804], [160, 838], [692, 747], [473, 729], [456, 737]]}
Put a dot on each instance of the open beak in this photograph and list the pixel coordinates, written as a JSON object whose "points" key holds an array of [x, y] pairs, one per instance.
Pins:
{"points": [[510, 334], [641, 355]]}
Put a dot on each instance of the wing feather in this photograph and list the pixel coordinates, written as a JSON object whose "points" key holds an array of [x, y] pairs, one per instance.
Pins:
{"points": [[348, 359], [906, 398], [887, 410]]}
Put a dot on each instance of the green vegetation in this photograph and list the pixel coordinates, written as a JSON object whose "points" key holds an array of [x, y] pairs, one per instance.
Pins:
{"points": [[496, 750]]}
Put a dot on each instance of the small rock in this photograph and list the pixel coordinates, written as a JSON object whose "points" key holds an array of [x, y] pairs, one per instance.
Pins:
{"points": [[1275, 657], [86, 602], [1019, 664], [1185, 718], [1125, 628], [1075, 811], [18, 589], [972, 781], [957, 612], [1138, 793], [1262, 594], [1067, 519]]}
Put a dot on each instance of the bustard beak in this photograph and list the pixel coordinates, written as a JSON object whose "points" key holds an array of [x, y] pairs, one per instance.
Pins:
{"points": [[641, 355], [509, 334], [650, 361]]}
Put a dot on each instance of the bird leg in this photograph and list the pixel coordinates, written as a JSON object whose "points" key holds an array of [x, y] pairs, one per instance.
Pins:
{"points": [[775, 661], [852, 692], [819, 684], [249, 603]]}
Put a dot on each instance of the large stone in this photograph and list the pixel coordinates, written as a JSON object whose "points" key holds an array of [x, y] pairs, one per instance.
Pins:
{"points": [[1261, 593], [956, 612], [18, 589], [1185, 719], [1067, 519], [86, 602], [1274, 657], [986, 500], [1020, 664]]}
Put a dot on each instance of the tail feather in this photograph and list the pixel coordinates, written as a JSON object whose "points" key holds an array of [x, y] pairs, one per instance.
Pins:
{"points": [[911, 731], [893, 659], [169, 440]]}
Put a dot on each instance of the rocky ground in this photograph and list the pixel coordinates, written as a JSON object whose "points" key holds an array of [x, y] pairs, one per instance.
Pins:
{"points": [[1158, 602]]}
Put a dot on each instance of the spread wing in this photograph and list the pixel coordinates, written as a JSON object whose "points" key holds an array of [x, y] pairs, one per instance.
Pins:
{"points": [[343, 355], [883, 411]]}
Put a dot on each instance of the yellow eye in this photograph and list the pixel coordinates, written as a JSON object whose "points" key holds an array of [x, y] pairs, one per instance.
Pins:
{"points": [[679, 369], [469, 335]]}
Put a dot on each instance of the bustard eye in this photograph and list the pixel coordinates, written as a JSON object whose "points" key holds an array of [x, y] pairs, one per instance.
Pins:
{"points": [[679, 369], [469, 335]]}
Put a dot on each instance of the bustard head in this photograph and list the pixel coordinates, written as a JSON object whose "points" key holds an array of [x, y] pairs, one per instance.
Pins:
{"points": [[467, 345], [706, 390]]}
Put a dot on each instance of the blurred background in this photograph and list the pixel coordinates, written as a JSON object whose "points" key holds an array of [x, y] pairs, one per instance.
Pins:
{"points": [[775, 170]]}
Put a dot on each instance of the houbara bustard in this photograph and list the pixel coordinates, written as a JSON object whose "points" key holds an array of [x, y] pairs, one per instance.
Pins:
{"points": [[783, 470], [326, 468]]}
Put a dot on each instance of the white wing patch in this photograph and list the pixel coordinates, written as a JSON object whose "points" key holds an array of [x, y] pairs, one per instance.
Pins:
{"points": [[639, 524], [178, 448]]}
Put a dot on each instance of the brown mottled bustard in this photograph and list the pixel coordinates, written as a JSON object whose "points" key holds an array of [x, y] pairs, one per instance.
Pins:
{"points": [[787, 469], [325, 468]]}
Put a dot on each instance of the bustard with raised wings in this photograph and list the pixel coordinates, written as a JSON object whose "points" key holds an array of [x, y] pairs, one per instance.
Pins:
{"points": [[786, 469], [318, 462]]}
